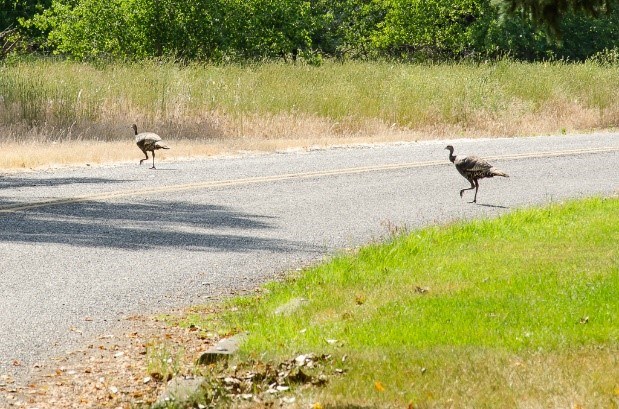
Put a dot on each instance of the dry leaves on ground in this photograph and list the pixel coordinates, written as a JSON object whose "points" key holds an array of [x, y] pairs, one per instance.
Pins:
{"points": [[111, 372]]}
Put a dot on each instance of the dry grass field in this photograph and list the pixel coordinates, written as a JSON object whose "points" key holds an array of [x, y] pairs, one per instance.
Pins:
{"points": [[63, 113]]}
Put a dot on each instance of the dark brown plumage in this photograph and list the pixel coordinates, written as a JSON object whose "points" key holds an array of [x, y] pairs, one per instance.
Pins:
{"points": [[473, 168], [148, 141]]}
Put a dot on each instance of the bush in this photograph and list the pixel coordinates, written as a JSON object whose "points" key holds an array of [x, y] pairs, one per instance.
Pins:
{"points": [[225, 30]]}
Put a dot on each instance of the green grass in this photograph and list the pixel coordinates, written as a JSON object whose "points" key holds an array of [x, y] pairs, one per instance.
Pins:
{"points": [[520, 311], [68, 100]]}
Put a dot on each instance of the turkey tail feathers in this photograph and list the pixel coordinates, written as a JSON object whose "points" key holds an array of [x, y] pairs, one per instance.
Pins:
{"points": [[496, 172]]}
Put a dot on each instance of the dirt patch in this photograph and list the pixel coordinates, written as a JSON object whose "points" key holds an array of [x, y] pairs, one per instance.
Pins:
{"points": [[122, 369]]}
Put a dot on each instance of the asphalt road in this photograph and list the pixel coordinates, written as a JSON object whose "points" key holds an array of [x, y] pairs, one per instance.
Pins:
{"points": [[83, 248]]}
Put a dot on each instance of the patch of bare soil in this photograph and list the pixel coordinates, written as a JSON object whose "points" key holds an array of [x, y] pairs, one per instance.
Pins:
{"points": [[138, 366], [113, 371]]}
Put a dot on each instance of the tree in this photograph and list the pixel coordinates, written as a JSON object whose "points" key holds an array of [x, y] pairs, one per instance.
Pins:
{"points": [[13, 10], [433, 29], [550, 12]]}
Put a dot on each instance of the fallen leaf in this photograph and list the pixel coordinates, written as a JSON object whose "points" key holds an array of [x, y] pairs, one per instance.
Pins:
{"points": [[379, 386]]}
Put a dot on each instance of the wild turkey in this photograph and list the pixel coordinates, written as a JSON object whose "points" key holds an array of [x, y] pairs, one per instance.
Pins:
{"points": [[148, 141], [473, 168]]}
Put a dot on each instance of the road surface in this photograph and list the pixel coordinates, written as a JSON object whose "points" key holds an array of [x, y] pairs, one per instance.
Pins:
{"points": [[82, 248]]}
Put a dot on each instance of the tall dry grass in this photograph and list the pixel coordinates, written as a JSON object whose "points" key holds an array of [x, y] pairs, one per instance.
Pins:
{"points": [[60, 101]]}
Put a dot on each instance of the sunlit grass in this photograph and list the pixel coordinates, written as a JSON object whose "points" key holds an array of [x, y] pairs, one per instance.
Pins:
{"points": [[521, 311], [61, 100], [18, 156]]}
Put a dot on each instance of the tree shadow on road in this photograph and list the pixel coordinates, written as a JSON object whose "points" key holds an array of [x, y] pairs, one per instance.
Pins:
{"points": [[142, 224], [25, 182]]}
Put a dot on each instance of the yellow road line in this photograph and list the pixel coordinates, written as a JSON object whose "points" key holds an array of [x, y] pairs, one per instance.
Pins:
{"points": [[287, 176]]}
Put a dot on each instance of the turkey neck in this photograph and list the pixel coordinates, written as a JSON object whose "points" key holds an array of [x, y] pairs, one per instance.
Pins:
{"points": [[452, 157]]}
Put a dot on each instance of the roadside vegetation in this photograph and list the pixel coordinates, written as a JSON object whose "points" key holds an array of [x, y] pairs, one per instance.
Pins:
{"points": [[310, 31], [64, 111], [219, 76], [519, 311]]}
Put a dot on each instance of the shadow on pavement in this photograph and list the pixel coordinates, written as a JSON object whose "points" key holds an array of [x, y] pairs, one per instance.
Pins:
{"points": [[493, 206], [21, 182], [138, 226]]}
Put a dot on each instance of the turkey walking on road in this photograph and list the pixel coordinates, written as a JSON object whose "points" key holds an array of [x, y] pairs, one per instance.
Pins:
{"points": [[473, 168], [148, 141]]}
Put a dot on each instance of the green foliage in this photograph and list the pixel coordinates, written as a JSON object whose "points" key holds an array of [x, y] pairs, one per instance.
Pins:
{"points": [[583, 36], [93, 28], [271, 28], [536, 270], [11, 11], [431, 27], [345, 28], [550, 12], [202, 29], [14, 37], [241, 30]]}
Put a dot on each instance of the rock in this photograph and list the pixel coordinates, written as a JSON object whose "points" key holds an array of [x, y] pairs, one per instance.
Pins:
{"points": [[291, 306], [222, 350], [180, 389]]}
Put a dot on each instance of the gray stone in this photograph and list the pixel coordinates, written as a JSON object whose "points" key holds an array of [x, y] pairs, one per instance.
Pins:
{"points": [[291, 306], [180, 389], [222, 350]]}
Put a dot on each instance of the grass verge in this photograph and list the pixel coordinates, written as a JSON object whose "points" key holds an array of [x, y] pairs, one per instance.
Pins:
{"points": [[521, 311], [19, 156]]}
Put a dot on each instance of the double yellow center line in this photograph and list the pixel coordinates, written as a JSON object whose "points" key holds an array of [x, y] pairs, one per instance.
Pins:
{"points": [[286, 176]]}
